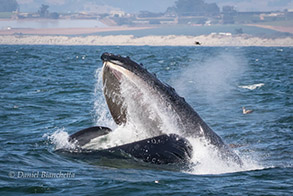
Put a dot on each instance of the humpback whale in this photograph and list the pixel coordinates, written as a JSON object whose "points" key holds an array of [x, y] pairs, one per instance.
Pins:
{"points": [[136, 96]]}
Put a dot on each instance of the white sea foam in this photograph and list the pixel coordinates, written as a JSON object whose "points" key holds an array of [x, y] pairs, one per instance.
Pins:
{"points": [[60, 139], [252, 86], [206, 160]]}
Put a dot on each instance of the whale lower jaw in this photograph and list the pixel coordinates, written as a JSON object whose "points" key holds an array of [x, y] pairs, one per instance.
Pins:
{"points": [[163, 149]]}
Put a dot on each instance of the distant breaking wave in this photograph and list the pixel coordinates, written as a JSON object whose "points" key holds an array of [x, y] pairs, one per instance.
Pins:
{"points": [[253, 86]]}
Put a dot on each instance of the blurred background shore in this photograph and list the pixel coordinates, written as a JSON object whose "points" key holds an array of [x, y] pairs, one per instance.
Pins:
{"points": [[186, 23]]}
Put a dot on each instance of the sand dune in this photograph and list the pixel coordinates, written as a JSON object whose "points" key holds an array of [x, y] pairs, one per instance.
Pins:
{"points": [[170, 40]]}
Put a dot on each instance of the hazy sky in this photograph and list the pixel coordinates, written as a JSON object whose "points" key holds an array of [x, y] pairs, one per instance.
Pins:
{"points": [[133, 6]]}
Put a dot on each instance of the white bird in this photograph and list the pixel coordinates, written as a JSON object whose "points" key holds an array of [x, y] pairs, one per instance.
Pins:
{"points": [[244, 111]]}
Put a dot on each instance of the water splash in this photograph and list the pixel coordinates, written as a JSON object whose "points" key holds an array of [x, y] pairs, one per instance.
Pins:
{"points": [[155, 119], [147, 110], [214, 79], [142, 122], [102, 116], [205, 159], [60, 139], [121, 135]]}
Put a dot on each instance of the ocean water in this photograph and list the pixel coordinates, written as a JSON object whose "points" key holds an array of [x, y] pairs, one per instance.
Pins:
{"points": [[50, 23], [48, 92]]}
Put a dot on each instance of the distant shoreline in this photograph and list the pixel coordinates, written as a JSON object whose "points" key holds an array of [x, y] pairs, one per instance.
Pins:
{"points": [[84, 31], [128, 40]]}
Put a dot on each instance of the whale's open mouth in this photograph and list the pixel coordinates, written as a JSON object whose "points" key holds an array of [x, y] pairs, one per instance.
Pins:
{"points": [[117, 74], [128, 97]]}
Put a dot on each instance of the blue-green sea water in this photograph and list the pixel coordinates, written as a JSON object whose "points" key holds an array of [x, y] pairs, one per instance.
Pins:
{"points": [[47, 92]]}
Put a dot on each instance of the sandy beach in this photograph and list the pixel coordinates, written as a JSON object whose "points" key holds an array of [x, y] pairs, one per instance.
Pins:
{"points": [[169, 40]]}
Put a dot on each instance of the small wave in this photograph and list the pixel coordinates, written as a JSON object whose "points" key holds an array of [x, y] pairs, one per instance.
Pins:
{"points": [[253, 86]]}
